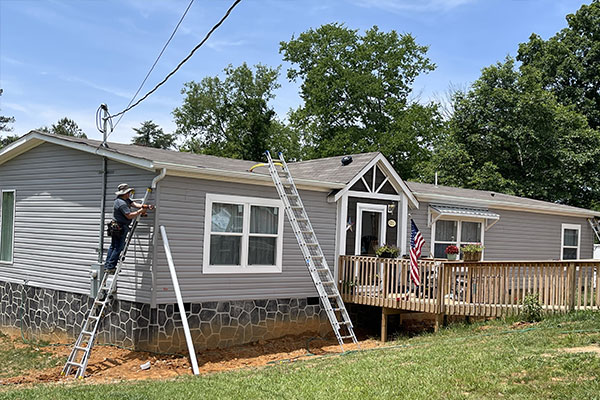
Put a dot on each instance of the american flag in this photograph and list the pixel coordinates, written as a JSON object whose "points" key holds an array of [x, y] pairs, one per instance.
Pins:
{"points": [[416, 243]]}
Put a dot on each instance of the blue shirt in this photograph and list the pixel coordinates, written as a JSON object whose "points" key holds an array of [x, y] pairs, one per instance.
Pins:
{"points": [[120, 211]]}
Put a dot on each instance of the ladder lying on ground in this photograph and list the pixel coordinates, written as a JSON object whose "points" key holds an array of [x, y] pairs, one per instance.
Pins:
{"points": [[80, 355], [311, 250]]}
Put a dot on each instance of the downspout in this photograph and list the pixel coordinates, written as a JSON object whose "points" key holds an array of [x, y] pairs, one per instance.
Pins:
{"points": [[102, 211], [153, 186]]}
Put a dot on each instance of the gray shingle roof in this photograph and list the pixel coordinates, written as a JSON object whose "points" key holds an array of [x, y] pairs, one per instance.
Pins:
{"points": [[490, 198], [323, 169]]}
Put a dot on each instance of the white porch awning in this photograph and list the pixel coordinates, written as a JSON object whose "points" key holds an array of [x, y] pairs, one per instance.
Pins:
{"points": [[436, 211]]}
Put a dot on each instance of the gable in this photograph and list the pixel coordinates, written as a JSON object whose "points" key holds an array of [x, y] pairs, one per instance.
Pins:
{"points": [[378, 179]]}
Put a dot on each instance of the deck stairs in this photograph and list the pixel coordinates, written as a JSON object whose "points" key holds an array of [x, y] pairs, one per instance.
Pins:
{"points": [[80, 354], [311, 250]]}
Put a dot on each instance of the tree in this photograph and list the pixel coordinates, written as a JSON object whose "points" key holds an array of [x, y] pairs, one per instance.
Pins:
{"points": [[65, 127], [4, 127], [231, 117], [509, 134], [356, 94], [151, 135], [569, 62]]}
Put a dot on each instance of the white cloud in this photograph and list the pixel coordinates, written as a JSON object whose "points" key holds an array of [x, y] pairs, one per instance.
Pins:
{"points": [[401, 6], [220, 45]]}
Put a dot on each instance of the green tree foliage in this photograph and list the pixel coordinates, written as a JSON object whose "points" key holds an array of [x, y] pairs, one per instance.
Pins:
{"points": [[5, 127], [356, 92], [569, 62], [151, 135], [510, 134], [231, 117], [65, 127]]}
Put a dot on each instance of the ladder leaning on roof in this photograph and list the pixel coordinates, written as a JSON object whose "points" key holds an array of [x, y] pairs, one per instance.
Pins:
{"points": [[595, 223], [80, 355], [311, 250]]}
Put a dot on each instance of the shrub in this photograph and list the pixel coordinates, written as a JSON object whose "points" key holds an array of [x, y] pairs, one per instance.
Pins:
{"points": [[532, 309]]}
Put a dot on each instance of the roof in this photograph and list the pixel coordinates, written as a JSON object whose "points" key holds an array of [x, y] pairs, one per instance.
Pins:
{"points": [[462, 211], [324, 172], [483, 198]]}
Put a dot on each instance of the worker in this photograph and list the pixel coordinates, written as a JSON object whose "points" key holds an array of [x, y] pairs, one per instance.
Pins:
{"points": [[122, 216]]}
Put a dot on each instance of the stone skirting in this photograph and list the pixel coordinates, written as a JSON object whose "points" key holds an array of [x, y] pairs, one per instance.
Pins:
{"points": [[58, 316]]}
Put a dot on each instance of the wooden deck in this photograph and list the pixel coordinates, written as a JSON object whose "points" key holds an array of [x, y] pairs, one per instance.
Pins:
{"points": [[487, 288]]}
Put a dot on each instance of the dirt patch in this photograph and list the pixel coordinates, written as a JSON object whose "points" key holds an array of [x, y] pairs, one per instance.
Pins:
{"points": [[585, 349], [110, 364]]}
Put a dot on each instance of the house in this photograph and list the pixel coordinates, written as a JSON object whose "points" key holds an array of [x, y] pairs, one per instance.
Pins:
{"points": [[241, 272]]}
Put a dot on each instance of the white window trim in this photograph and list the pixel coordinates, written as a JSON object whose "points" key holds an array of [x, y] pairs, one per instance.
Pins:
{"points": [[576, 227], [12, 250], [380, 208], [244, 268], [459, 243]]}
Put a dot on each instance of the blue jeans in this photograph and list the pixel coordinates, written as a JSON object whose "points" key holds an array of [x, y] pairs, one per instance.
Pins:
{"points": [[115, 249]]}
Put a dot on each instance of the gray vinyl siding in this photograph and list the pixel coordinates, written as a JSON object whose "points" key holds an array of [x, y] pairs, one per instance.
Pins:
{"points": [[58, 193], [181, 211], [519, 235]]}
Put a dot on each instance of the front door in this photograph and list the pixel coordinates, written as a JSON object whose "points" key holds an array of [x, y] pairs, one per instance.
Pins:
{"points": [[370, 228]]}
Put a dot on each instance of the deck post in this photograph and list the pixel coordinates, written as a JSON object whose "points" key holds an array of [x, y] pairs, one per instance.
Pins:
{"points": [[571, 286], [439, 321], [384, 321]]}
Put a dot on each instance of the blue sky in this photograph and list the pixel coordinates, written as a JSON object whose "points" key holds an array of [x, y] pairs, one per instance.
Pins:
{"points": [[62, 58]]}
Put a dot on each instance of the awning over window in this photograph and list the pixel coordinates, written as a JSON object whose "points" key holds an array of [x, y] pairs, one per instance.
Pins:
{"points": [[437, 211]]}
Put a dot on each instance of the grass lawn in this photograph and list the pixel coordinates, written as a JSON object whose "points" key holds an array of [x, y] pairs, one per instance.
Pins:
{"points": [[16, 357], [555, 359]]}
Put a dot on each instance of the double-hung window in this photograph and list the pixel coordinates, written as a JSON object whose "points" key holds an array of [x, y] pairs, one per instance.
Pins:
{"points": [[242, 234], [455, 232], [7, 225], [571, 235]]}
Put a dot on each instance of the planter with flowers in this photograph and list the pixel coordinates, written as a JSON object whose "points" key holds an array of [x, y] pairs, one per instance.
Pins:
{"points": [[472, 252], [452, 252], [387, 251]]}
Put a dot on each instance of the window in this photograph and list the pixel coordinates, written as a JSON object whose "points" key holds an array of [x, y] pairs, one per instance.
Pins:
{"points": [[7, 225], [242, 234], [571, 235], [447, 232]]}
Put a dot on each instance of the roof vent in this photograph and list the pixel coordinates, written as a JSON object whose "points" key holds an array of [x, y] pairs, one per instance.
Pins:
{"points": [[346, 160]]}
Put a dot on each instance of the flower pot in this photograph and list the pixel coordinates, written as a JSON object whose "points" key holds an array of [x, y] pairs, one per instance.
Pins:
{"points": [[387, 255], [452, 257], [474, 256]]}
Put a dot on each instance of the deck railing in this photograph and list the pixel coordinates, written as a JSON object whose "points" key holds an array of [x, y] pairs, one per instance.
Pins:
{"points": [[470, 288]]}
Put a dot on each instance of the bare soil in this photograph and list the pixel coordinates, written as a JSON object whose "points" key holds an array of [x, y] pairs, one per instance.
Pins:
{"points": [[110, 364]]}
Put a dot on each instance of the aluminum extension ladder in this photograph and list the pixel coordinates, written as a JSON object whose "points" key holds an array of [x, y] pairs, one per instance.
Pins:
{"points": [[80, 355], [595, 223], [311, 250]]}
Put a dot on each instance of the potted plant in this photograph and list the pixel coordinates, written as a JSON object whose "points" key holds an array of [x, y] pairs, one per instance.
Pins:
{"points": [[472, 252], [452, 252], [387, 251]]}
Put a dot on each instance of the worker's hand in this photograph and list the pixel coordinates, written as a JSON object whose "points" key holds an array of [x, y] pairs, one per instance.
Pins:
{"points": [[148, 206]]}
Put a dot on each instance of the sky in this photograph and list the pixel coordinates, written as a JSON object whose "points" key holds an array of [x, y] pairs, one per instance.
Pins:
{"points": [[63, 58]]}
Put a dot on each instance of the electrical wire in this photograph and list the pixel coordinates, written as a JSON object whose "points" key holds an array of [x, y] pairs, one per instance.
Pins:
{"points": [[157, 58], [214, 28]]}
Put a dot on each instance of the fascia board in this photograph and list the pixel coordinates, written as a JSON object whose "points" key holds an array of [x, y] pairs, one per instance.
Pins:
{"points": [[34, 139], [18, 147], [503, 205], [241, 177]]}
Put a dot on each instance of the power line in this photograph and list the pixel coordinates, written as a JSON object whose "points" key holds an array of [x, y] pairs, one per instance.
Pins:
{"points": [[214, 28], [156, 61]]}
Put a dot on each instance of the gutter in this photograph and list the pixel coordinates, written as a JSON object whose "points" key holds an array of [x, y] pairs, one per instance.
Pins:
{"points": [[505, 205], [214, 172]]}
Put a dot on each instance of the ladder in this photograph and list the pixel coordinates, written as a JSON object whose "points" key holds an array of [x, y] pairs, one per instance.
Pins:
{"points": [[595, 223], [311, 250], [80, 355]]}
